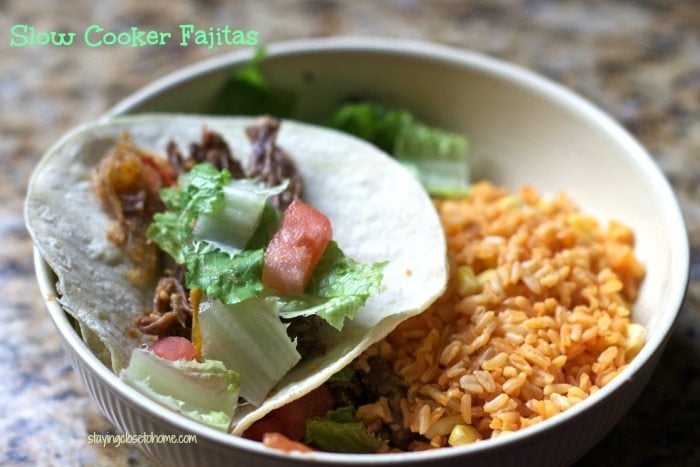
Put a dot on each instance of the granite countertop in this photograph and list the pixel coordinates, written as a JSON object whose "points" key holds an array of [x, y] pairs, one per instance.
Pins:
{"points": [[637, 59]]}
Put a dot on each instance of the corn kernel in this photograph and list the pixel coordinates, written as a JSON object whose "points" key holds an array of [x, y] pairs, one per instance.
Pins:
{"points": [[485, 276], [463, 434], [636, 335], [443, 427], [507, 202], [467, 283]]}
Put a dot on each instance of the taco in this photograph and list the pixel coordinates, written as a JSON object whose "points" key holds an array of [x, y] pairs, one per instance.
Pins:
{"points": [[386, 260]]}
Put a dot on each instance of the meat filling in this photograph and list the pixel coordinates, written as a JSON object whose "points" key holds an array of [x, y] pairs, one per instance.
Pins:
{"points": [[212, 149], [127, 182], [171, 314], [307, 332], [367, 387], [269, 163]]}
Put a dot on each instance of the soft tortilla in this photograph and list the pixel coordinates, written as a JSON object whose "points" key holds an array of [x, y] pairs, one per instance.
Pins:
{"points": [[379, 212]]}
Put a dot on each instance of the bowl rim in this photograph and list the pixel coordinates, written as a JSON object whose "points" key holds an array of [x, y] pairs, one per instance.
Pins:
{"points": [[510, 73]]}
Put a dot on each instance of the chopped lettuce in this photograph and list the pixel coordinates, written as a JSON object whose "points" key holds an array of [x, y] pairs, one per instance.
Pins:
{"points": [[338, 275], [333, 310], [208, 207], [233, 221], [372, 123], [343, 376], [270, 222], [339, 287], [249, 338], [232, 279], [339, 432], [165, 232], [247, 92], [439, 158], [203, 391], [199, 192]]}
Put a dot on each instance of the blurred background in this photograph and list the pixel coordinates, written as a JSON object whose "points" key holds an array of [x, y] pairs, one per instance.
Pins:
{"points": [[639, 60]]}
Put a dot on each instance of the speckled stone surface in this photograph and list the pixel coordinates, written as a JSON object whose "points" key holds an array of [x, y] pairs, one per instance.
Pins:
{"points": [[638, 59]]}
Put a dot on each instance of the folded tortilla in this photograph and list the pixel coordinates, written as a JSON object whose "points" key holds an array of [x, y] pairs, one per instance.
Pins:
{"points": [[378, 210]]}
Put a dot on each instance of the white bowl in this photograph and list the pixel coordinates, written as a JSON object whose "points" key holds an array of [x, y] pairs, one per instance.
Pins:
{"points": [[523, 129]]}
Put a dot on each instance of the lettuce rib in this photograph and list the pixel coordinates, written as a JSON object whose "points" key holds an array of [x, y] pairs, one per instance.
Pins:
{"points": [[203, 391], [249, 338]]}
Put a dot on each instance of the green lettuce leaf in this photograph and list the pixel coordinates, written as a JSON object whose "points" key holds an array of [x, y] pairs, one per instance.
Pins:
{"points": [[333, 310], [249, 338], [338, 275], [339, 287], [247, 92], [232, 279], [235, 219], [203, 391], [198, 192], [440, 159], [270, 222], [371, 122], [208, 207], [339, 432], [166, 233], [343, 376]]}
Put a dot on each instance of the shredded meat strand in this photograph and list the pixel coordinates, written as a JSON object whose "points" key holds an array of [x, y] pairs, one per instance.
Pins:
{"points": [[367, 387], [171, 314], [127, 182], [175, 158], [212, 149], [269, 163], [307, 332]]}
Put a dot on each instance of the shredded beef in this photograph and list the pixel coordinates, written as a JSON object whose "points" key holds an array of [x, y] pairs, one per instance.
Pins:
{"points": [[177, 162], [382, 381], [171, 314], [127, 182], [212, 149], [307, 331], [269, 163], [368, 387], [348, 393]]}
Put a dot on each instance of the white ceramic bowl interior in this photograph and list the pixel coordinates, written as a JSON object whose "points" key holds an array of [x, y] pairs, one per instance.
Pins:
{"points": [[523, 129]]}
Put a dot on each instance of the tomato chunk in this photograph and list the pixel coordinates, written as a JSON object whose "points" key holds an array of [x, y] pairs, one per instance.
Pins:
{"points": [[268, 424], [290, 420], [174, 348], [281, 442], [294, 415], [295, 250]]}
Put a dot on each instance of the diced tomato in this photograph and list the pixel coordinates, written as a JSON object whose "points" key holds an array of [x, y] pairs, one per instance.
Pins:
{"points": [[295, 250], [290, 420], [281, 442], [268, 424], [294, 415], [174, 348]]}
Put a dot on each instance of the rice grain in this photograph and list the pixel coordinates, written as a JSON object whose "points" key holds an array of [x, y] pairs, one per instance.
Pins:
{"points": [[544, 324]]}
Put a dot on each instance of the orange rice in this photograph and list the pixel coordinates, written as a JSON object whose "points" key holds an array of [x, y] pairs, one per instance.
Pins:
{"points": [[536, 317]]}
